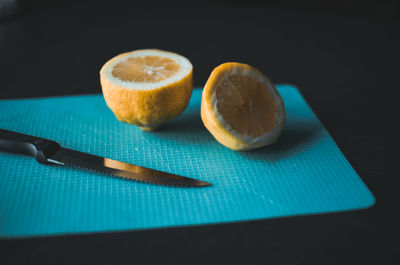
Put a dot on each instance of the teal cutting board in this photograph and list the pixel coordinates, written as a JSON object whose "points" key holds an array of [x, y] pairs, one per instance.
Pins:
{"points": [[304, 172]]}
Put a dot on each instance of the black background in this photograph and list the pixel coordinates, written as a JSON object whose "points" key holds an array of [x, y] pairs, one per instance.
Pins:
{"points": [[344, 57]]}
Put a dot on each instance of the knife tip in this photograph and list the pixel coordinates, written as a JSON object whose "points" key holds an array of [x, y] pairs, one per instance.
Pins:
{"points": [[203, 184]]}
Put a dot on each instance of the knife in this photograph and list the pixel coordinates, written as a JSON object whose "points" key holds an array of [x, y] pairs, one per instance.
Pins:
{"points": [[51, 153]]}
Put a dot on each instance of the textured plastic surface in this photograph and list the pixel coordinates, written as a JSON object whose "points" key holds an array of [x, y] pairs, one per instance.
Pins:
{"points": [[304, 172]]}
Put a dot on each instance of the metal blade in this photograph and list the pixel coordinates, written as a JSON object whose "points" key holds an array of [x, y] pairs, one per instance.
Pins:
{"points": [[69, 157]]}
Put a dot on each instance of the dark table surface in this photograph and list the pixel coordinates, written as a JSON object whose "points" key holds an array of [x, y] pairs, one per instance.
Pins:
{"points": [[347, 69]]}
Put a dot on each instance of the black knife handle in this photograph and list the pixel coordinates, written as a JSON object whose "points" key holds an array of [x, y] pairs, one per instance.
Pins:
{"points": [[20, 143]]}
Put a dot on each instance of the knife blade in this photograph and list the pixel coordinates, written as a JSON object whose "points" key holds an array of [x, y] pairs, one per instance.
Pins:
{"points": [[51, 153]]}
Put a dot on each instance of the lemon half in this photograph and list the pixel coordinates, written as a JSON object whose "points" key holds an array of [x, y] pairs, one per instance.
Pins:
{"points": [[147, 87], [241, 107]]}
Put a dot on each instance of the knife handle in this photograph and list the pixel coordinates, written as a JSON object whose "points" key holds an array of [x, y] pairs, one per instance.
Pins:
{"points": [[20, 143]]}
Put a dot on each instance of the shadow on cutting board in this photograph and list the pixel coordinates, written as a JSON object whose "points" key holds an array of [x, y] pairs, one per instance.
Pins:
{"points": [[296, 136], [188, 123]]}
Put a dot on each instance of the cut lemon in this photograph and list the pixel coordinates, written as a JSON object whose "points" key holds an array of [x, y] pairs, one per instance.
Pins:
{"points": [[241, 107], [147, 87]]}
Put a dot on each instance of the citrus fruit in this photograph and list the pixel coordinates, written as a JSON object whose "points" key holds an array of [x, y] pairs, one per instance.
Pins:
{"points": [[147, 87], [241, 107]]}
